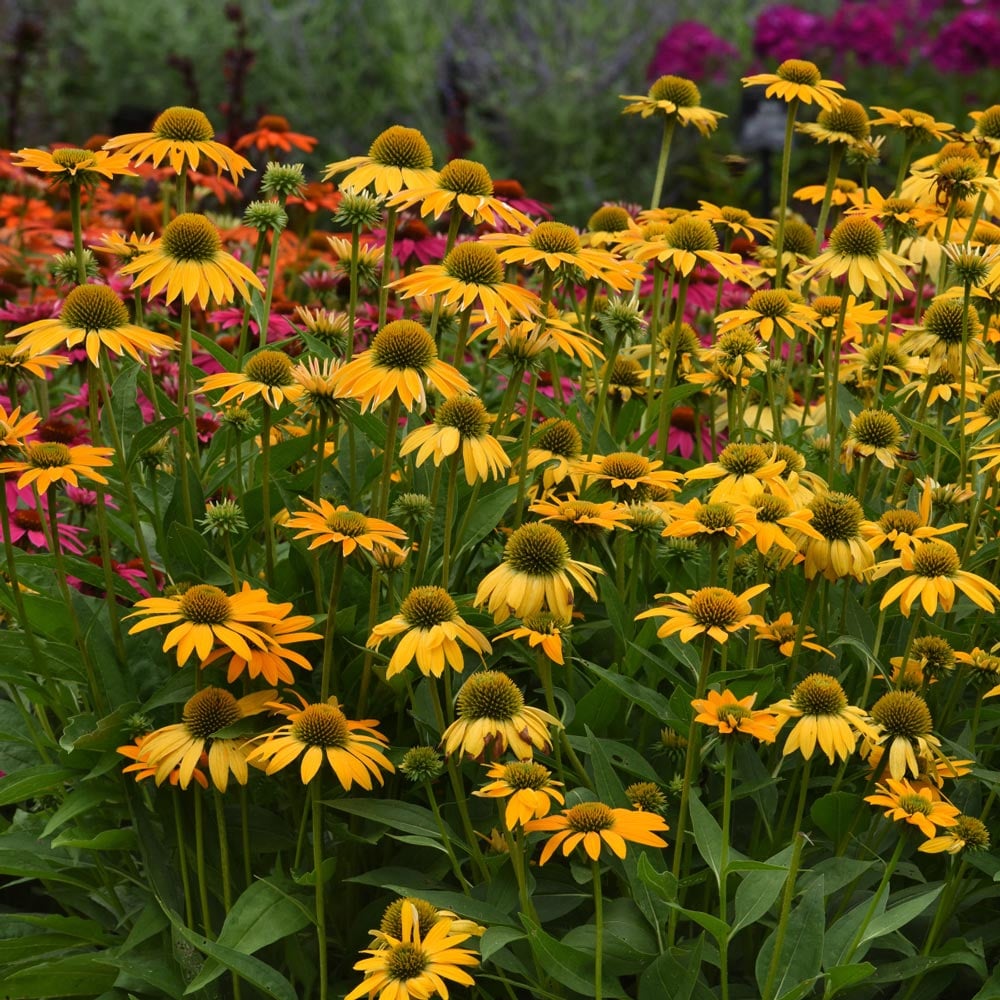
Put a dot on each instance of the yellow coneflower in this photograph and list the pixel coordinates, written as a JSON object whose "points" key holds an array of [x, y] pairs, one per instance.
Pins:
{"points": [[704, 521], [268, 374], [17, 358], [554, 245], [968, 834], [537, 572], [542, 629], [182, 136], [557, 447], [797, 80], [782, 632], [844, 192], [188, 261], [431, 629], [14, 427], [904, 528], [904, 725], [415, 965], [94, 316], [84, 166], [713, 612], [873, 434], [842, 549], [339, 525], [683, 245], [319, 732], [528, 788], [525, 341], [737, 220], [398, 158], [402, 356], [471, 273], [491, 715], [824, 717], [773, 517], [45, 463], [940, 333], [744, 469], [631, 476], [143, 770], [461, 424], [844, 125], [770, 309], [935, 574], [391, 924], [593, 825], [203, 616], [464, 185], [582, 518], [181, 746], [916, 126], [732, 715], [917, 806], [858, 249], [679, 99]]}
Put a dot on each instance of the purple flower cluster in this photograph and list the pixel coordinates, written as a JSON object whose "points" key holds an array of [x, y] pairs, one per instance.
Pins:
{"points": [[692, 49], [870, 32], [955, 36], [969, 42], [784, 32]]}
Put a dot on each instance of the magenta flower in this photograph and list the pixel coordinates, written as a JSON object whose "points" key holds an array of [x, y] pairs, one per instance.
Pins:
{"points": [[26, 523], [692, 49]]}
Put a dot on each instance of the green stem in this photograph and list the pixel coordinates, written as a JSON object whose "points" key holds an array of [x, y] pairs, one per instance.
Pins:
{"points": [[522, 481], [668, 375], [445, 839], [786, 907], [836, 154], [786, 164], [602, 396], [727, 795], [265, 493], [186, 409], [793, 660], [598, 928], [449, 514], [661, 165], [390, 237], [352, 302], [182, 860], [691, 763], [258, 256], [388, 454], [74, 214], [317, 838], [331, 623], [199, 838]]}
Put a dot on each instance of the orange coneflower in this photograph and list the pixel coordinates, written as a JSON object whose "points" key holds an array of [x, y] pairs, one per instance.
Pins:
{"points": [[732, 715], [339, 525], [45, 463], [917, 806]]}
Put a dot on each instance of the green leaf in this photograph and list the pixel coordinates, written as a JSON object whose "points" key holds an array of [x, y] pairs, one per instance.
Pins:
{"points": [[124, 402], [719, 929], [73, 976], [80, 800], [842, 976], [257, 973], [673, 974], [262, 915], [106, 840], [30, 782], [930, 432], [567, 965], [606, 781], [662, 883], [759, 891], [496, 938], [486, 514], [707, 835], [834, 813], [646, 698], [898, 916], [402, 816], [802, 949]]}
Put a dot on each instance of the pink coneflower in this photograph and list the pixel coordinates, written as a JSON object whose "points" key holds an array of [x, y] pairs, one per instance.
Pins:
{"points": [[681, 434], [279, 327], [26, 523], [63, 429], [31, 313], [415, 241], [86, 499], [511, 193]]}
